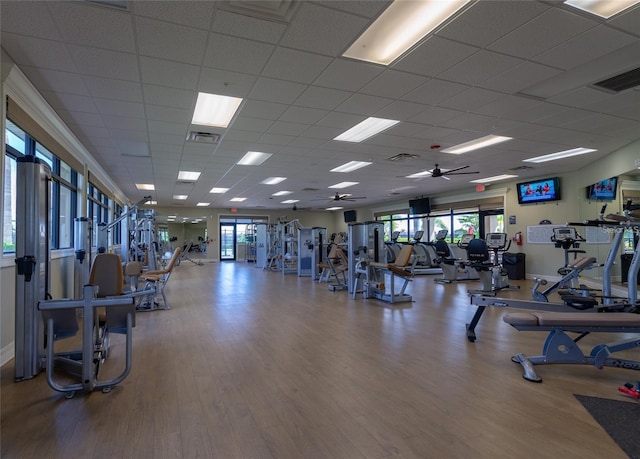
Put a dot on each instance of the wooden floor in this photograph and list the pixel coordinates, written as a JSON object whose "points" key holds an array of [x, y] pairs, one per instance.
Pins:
{"points": [[256, 364]]}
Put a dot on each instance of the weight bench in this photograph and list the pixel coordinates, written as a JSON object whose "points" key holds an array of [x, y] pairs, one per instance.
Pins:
{"points": [[561, 348], [375, 272]]}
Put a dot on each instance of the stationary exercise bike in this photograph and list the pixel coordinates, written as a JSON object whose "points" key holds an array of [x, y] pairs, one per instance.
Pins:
{"points": [[484, 257]]}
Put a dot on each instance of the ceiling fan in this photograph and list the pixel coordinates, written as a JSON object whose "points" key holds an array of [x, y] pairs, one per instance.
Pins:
{"points": [[342, 197], [437, 172]]}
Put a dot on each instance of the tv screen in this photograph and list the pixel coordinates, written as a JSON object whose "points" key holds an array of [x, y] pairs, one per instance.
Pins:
{"points": [[419, 206], [350, 216], [539, 191], [604, 190]]}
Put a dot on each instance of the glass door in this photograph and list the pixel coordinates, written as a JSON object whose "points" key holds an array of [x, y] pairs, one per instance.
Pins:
{"points": [[227, 241]]}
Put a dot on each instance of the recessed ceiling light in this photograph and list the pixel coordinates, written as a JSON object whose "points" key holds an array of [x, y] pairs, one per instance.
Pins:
{"points": [[238, 199], [180, 197], [400, 27], [365, 129], [203, 204], [152, 203], [495, 178], [343, 184], [171, 216], [188, 176], [145, 186], [559, 155], [215, 110], [603, 8], [334, 208], [273, 180], [218, 190], [282, 193], [254, 158], [476, 144], [351, 166], [290, 201]]}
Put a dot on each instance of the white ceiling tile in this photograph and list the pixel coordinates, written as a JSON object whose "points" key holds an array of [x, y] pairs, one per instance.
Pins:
{"points": [[520, 77], [271, 90], [586, 47], [363, 104], [168, 114], [276, 139], [84, 24], [548, 30], [226, 83], [435, 91], [236, 54], [627, 21], [470, 99], [348, 75], [485, 22], [322, 98], [245, 123], [400, 110], [580, 97], [37, 52], [322, 30], [392, 83], [434, 56], [105, 63], [157, 39], [288, 128], [303, 115], [81, 118], [110, 88], [168, 139], [70, 102], [342, 121], [167, 73], [13, 15], [480, 67], [435, 116], [198, 14], [120, 108], [262, 109], [293, 65], [247, 27], [169, 128], [124, 123], [169, 97], [53, 80]]}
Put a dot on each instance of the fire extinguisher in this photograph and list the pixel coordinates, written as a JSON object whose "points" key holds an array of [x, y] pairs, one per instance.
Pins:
{"points": [[518, 238]]}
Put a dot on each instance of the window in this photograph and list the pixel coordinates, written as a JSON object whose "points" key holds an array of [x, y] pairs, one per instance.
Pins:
{"points": [[64, 189]]}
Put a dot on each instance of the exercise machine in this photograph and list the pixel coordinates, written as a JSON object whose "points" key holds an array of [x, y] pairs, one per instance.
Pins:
{"points": [[485, 257], [426, 256], [380, 278], [365, 243]]}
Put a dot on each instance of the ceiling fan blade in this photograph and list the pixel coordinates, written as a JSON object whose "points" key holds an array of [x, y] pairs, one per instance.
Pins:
{"points": [[456, 169], [462, 173], [444, 177]]}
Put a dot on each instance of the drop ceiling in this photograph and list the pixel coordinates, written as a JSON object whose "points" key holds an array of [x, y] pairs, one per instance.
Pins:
{"points": [[125, 79]]}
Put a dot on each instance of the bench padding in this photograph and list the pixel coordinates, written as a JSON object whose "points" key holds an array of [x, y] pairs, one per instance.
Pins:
{"points": [[571, 319]]}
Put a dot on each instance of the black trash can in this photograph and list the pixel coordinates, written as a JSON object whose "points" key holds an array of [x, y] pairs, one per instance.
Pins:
{"points": [[625, 264], [514, 264]]}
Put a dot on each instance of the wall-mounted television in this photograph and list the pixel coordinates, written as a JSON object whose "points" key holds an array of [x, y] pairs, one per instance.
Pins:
{"points": [[604, 190], [542, 190], [419, 206], [350, 216]]}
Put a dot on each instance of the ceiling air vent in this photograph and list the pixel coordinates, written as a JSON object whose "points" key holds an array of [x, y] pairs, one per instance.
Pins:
{"points": [[203, 137], [620, 82], [402, 157]]}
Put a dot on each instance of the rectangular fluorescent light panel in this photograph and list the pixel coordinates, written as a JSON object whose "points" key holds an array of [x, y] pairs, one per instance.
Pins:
{"points": [[215, 110], [180, 197], [603, 8], [218, 190], [476, 144], [282, 193], [273, 180], [290, 201], [495, 178], [343, 185], [238, 199], [188, 176], [203, 204], [145, 186], [254, 158], [400, 27], [365, 129], [351, 166], [334, 208], [152, 203], [559, 155]]}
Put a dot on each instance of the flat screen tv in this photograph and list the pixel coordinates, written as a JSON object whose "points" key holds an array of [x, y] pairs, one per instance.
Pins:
{"points": [[350, 216], [419, 206], [542, 190], [604, 190]]}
